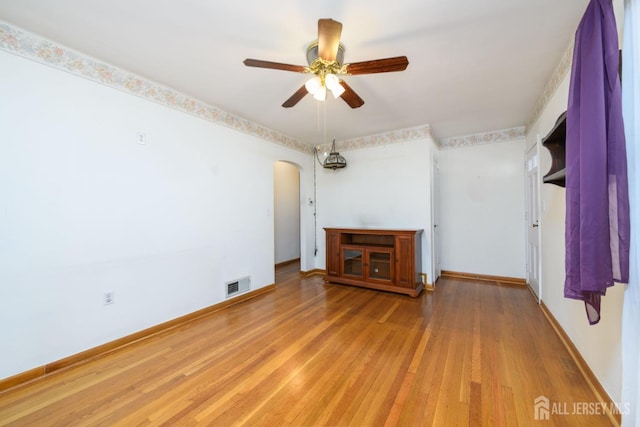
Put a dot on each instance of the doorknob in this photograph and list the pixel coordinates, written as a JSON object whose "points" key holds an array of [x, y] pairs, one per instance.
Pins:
{"points": [[534, 225]]}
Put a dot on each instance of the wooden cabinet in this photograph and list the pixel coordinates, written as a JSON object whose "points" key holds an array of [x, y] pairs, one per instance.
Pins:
{"points": [[333, 247], [388, 260], [367, 263]]}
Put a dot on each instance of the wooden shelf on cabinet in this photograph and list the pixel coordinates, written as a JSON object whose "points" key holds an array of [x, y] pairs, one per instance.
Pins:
{"points": [[387, 260], [555, 143]]}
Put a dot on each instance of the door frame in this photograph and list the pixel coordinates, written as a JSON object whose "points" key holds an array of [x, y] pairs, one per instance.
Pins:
{"points": [[435, 218], [533, 219]]}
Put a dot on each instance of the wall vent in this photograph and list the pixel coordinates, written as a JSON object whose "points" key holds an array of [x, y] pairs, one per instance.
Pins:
{"points": [[238, 286]]}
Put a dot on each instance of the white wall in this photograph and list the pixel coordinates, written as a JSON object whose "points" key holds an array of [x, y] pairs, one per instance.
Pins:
{"points": [[482, 209], [600, 344], [85, 209], [381, 187], [286, 211]]}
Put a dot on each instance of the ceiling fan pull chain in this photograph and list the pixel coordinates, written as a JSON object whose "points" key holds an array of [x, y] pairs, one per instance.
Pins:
{"points": [[324, 139], [317, 117]]}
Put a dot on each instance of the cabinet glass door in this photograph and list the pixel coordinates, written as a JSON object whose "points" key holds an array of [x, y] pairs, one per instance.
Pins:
{"points": [[380, 265], [352, 261]]}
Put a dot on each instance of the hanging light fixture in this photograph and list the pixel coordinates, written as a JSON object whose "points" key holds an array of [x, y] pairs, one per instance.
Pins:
{"points": [[334, 160]]}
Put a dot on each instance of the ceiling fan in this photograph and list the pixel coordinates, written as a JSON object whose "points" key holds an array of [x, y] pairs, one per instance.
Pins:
{"points": [[325, 57]]}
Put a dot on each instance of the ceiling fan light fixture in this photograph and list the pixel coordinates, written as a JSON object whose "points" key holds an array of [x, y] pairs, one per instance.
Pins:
{"points": [[312, 85], [337, 91], [331, 80], [321, 93], [333, 83]]}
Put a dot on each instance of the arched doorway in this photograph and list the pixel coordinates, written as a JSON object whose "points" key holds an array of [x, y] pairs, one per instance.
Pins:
{"points": [[286, 208]]}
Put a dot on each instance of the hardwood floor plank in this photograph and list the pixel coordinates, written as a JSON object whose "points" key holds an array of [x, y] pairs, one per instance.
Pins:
{"points": [[316, 354], [331, 380], [378, 402], [475, 404], [269, 368], [408, 380]]}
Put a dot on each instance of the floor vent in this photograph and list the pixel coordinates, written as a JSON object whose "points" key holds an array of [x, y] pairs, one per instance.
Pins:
{"points": [[238, 286]]}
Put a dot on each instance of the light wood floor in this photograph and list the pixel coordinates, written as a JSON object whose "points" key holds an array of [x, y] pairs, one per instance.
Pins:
{"points": [[315, 354]]}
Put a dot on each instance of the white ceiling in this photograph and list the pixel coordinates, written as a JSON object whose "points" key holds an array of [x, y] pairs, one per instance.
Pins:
{"points": [[474, 66]]}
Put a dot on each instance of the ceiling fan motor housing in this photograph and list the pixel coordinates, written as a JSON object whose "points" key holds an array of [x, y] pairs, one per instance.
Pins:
{"points": [[312, 53]]}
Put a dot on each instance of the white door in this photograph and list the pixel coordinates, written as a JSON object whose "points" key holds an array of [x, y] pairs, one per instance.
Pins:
{"points": [[533, 221]]}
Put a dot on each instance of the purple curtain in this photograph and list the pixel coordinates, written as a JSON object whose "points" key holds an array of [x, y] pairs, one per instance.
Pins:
{"points": [[597, 218]]}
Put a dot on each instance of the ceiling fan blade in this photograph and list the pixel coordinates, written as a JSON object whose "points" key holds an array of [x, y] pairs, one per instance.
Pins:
{"points": [[273, 65], [386, 65], [350, 97], [329, 32], [296, 97]]}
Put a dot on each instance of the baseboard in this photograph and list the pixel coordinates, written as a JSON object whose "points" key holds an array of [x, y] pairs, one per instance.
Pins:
{"points": [[500, 280], [533, 293], [104, 349], [587, 373], [285, 263], [315, 272], [429, 287]]}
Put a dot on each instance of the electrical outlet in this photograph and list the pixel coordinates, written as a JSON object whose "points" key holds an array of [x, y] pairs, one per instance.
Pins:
{"points": [[108, 298], [141, 138]]}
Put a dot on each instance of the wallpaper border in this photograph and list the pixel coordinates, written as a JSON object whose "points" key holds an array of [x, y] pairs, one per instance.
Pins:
{"points": [[386, 138], [31, 46], [496, 136], [36, 48]]}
